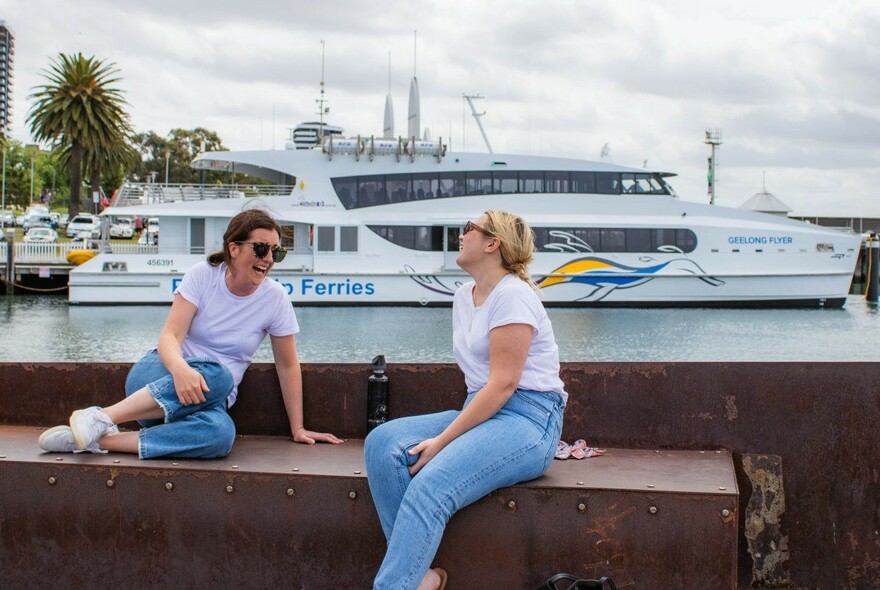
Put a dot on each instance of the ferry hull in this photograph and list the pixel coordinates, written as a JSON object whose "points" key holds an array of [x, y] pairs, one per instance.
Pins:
{"points": [[102, 281]]}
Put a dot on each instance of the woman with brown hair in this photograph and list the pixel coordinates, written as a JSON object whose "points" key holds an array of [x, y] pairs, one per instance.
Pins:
{"points": [[180, 391]]}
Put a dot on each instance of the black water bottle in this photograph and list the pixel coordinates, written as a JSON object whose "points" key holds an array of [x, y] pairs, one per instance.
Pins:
{"points": [[377, 394]]}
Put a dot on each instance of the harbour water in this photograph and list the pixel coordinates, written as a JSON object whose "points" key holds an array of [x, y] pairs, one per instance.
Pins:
{"points": [[47, 329]]}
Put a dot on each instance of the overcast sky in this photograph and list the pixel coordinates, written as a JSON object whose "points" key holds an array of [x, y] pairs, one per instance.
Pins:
{"points": [[792, 84]]}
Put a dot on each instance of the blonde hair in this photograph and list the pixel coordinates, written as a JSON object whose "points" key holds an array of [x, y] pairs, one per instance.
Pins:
{"points": [[517, 242]]}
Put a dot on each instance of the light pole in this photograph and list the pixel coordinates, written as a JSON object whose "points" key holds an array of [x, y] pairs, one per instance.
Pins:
{"points": [[4, 179], [32, 178], [167, 165]]}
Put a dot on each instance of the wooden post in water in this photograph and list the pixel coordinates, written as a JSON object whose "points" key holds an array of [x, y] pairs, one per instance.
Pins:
{"points": [[873, 269], [10, 261]]}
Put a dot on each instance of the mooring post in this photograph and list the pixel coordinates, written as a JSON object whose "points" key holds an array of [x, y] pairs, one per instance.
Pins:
{"points": [[873, 270], [10, 260]]}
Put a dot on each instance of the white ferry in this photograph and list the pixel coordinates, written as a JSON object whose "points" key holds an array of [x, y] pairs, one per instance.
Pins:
{"points": [[376, 221]]}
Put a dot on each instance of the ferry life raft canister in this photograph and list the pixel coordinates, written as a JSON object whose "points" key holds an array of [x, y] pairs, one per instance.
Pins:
{"points": [[377, 395]]}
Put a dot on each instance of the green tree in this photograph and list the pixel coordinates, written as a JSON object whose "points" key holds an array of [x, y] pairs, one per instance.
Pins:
{"points": [[181, 146], [29, 170], [80, 110]]}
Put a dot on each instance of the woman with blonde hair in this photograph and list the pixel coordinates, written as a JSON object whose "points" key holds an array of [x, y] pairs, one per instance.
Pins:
{"points": [[422, 469]]}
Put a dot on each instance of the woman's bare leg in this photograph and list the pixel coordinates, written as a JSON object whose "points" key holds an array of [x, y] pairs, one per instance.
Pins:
{"points": [[123, 442], [140, 405]]}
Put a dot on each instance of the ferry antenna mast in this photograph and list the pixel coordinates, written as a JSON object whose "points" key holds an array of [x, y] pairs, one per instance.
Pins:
{"points": [[470, 100], [321, 101], [713, 140]]}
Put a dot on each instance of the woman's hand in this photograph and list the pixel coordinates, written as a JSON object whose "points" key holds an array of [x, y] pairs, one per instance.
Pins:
{"points": [[426, 450], [189, 385], [301, 435]]}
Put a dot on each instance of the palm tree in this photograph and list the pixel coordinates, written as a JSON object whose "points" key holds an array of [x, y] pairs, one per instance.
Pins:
{"points": [[79, 110], [108, 160]]}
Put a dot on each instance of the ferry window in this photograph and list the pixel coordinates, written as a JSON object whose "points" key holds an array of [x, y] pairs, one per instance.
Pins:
{"points": [[638, 240], [686, 240], [542, 238], [613, 240], [663, 237], [608, 183], [425, 186], [346, 190], [479, 183], [531, 182], [592, 237], [348, 239], [326, 239], [645, 183], [452, 238], [399, 187], [556, 182], [429, 238], [452, 184], [371, 191], [628, 182], [504, 182], [287, 237], [425, 238], [583, 182], [196, 235]]}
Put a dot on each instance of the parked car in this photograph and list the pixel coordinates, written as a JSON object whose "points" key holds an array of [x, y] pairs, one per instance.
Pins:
{"points": [[123, 227], [32, 212], [7, 219], [41, 234], [84, 223], [32, 221]]}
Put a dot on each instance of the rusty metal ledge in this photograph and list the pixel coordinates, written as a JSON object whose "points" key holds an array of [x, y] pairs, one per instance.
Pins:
{"points": [[275, 513], [679, 472]]}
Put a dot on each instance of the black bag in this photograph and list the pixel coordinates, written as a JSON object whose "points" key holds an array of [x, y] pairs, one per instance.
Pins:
{"points": [[572, 582]]}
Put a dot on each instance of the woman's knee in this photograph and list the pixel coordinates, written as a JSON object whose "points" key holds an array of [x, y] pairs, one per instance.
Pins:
{"points": [[220, 433], [146, 370], [216, 376]]}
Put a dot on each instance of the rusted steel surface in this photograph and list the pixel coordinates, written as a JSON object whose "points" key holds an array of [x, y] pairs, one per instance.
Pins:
{"points": [[768, 546], [250, 520], [176, 527], [820, 418], [335, 397]]}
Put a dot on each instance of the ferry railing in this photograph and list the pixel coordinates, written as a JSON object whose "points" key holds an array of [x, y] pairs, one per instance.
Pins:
{"points": [[140, 193]]}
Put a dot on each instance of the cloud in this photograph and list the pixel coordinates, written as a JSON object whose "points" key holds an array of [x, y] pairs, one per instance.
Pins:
{"points": [[791, 83]]}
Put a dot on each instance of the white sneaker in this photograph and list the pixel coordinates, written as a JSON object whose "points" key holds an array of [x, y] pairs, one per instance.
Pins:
{"points": [[60, 440], [88, 426]]}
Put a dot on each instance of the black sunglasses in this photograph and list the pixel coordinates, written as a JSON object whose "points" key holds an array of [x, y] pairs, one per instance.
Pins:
{"points": [[470, 225], [262, 248]]}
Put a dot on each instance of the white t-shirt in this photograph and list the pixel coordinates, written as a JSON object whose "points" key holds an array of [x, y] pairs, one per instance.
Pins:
{"points": [[228, 328], [512, 301]]}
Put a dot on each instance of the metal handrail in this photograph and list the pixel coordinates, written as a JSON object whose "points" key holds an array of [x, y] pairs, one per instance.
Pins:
{"points": [[146, 193]]}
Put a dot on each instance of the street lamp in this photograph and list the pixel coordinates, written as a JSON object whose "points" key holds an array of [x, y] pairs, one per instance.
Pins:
{"points": [[167, 165], [4, 179]]}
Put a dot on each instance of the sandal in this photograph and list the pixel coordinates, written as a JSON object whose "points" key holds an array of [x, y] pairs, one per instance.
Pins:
{"points": [[563, 450]]}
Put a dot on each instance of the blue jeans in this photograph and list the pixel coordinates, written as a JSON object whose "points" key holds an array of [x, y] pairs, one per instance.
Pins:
{"points": [[516, 444], [203, 430]]}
